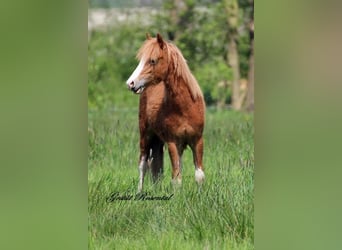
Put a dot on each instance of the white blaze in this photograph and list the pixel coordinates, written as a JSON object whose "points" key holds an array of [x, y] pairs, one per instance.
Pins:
{"points": [[136, 72]]}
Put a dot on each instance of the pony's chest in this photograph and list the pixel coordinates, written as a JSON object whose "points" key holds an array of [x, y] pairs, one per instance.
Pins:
{"points": [[154, 102]]}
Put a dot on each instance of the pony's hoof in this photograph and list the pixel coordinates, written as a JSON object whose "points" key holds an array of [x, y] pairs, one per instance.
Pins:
{"points": [[199, 176], [176, 183]]}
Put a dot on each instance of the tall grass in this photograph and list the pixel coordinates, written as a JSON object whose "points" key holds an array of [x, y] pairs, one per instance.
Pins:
{"points": [[218, 215]]}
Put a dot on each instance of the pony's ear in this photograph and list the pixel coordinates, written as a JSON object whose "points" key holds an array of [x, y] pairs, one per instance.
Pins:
{"points": [[148, 37], [160, 41]]}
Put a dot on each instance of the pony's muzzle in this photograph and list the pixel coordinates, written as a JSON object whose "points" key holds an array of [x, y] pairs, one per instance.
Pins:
{"points": [[130, 85], [137, 88]]}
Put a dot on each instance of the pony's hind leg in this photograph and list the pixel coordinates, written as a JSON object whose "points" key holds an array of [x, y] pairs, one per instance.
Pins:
{"points": [[197, 152], [156, 158], [175, 156]]}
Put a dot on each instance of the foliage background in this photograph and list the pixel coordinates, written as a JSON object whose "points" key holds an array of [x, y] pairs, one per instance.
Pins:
{"points": [[202, 36]]}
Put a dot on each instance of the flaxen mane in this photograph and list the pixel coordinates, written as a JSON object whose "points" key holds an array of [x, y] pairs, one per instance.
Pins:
{"points": [[150, 49]]}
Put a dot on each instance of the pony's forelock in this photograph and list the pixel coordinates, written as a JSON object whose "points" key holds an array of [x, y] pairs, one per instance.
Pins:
{"points": [[149, 49]]}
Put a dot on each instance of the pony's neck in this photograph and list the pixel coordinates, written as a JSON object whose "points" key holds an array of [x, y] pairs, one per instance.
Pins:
{"points": [[176, 87], [179, 78]]}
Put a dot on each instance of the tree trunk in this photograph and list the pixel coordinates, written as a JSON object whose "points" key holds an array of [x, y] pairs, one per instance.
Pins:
{"points": [[249, 106], [250, 89], [232, 10], [233, 58]]}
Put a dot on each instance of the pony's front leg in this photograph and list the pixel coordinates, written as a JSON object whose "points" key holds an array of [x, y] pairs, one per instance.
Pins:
{"points": [[143, 156], [142, 171], [176, 163]]}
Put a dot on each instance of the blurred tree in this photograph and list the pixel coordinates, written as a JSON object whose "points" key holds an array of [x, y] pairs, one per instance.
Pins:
{"points": [[179, 16], [232, 12]]}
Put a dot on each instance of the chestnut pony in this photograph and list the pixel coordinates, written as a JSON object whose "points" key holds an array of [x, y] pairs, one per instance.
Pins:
{"points": [[171, 109]]}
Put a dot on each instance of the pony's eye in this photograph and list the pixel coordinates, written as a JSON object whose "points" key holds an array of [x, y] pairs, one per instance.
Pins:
{"points": [[153, 61]]}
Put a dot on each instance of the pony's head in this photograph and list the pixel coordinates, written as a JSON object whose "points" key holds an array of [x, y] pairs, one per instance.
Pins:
{"points": [[153, 65], [161, 61]]}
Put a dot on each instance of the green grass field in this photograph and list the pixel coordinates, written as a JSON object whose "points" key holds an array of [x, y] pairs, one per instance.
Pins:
{"points": [[219, 215]]}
